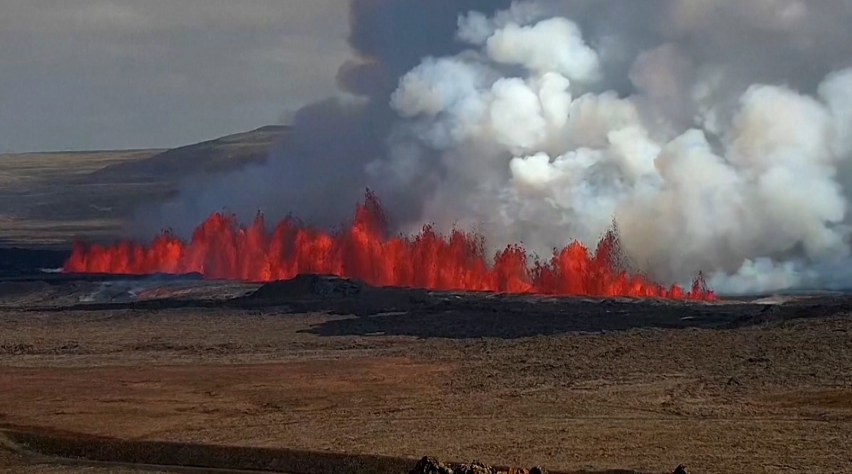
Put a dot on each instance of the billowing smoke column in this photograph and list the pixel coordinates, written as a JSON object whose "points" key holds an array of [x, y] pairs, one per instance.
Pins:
{"points": [[531, 153], [715, 132]]}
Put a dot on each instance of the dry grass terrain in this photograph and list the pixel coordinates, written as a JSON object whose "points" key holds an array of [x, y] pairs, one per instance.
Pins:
{"points": [[31, 169], [770, 397], [49, 199], [573, 386], [44, 203]]}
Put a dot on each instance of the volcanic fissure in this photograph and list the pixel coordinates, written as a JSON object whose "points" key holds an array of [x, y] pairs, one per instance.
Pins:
{"points": [[222, 249]]}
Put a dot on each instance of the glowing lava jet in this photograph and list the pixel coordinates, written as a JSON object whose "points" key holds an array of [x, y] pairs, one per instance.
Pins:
{"points": [[220, 249]]}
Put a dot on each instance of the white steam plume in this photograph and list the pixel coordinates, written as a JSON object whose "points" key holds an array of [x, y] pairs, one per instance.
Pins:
{"points": [[716, 132], [702, 170]]}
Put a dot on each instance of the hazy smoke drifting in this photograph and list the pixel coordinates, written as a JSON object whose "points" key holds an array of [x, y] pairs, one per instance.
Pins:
{"points": [[716, 132], [319, 172]]}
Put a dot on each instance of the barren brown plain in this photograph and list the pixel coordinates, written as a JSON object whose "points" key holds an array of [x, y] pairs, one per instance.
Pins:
{"points": [[571, 391]]}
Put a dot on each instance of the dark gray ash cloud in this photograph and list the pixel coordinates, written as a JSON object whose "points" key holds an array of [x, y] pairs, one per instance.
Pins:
{"points": [[319, 173]]}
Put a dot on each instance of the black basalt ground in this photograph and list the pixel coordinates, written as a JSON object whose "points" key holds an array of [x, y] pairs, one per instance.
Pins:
{"points": [[424, 313]]}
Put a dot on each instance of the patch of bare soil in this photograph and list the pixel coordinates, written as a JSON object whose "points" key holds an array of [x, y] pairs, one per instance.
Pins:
{"points": [[570, 385]]}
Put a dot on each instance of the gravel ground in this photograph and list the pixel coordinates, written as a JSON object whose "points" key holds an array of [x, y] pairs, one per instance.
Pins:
{"points": [[577, 386]]}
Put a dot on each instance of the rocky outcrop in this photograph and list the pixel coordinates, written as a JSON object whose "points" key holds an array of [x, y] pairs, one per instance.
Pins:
{"points": [[429, 465]]}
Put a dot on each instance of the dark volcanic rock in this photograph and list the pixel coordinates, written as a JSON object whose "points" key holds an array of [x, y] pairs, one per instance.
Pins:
{"points": [[17, 289], [429, 465], [681, 470], [308, 287], [475, 468]]}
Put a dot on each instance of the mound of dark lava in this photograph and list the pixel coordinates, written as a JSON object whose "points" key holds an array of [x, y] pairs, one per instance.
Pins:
{"points": [[388, 310], [307, 287], [447, 314]]}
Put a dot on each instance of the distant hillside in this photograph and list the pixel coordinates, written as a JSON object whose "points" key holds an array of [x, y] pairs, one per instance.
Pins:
{"points": [[219, 155], [23, 170], [48, 199]]}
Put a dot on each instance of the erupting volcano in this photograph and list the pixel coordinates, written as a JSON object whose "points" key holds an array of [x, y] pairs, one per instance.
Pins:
{"points": [[221, 249]]}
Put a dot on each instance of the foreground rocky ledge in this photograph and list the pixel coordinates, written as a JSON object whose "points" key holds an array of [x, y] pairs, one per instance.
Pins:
{"points": [[46, 447], [429, 465]]}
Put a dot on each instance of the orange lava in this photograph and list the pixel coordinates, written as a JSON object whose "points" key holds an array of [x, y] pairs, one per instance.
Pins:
{"points": [[220, 249]]}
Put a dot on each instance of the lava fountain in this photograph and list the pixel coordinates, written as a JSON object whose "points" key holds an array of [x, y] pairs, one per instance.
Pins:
{"points": [[221, 249]]}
